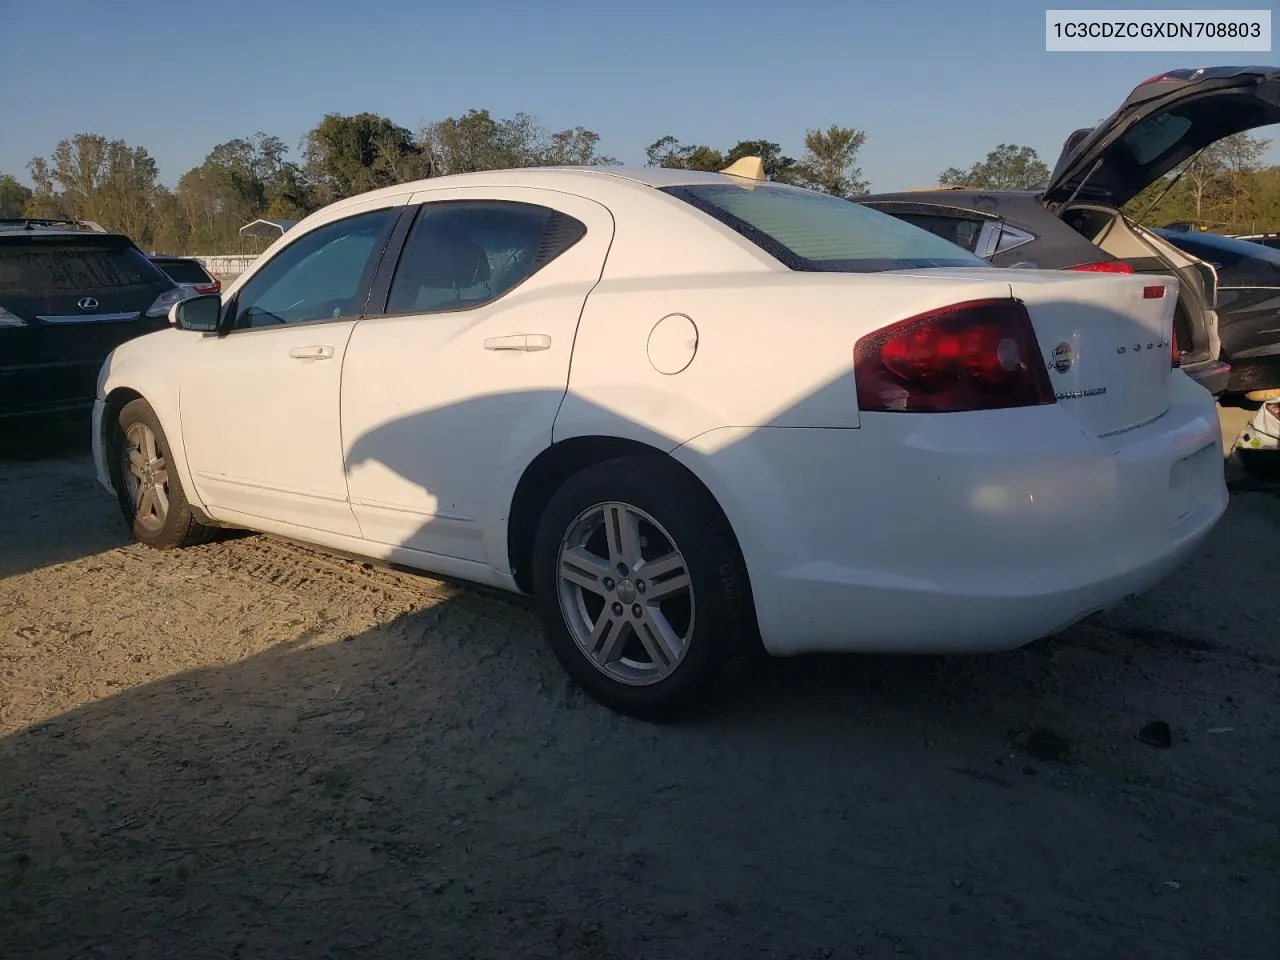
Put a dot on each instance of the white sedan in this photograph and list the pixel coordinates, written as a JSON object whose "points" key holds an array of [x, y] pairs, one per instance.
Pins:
{"points": [[686, 412]]}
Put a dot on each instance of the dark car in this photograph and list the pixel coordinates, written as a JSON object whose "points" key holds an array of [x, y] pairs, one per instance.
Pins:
{"points": [[70, 292], [1266, 239], [189, 274], [1074, 221], [1248, 305]]}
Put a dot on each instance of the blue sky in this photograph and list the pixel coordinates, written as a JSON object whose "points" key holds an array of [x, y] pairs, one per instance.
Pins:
{"points": [[933, 84]]}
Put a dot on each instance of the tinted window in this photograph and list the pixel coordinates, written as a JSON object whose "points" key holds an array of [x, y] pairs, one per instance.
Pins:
{"points": [[184, 271], [461, 254], [1155, 135], [961, 232], [1239, 263], [807, 230], [69, 264], [322, 275]]}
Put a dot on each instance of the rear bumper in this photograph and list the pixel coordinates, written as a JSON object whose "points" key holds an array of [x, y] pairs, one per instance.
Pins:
{"points": [[1213, 375], [960, 532]]}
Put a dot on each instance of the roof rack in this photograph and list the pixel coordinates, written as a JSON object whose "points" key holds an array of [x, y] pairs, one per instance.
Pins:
{"points": [[50, 223]]}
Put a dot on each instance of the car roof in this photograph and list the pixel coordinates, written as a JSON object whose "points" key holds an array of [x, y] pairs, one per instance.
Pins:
{"points": [[10, 226], [586, 178], [949, 196]]}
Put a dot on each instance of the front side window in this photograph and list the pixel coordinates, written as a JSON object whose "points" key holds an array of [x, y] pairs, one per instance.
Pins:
{"points": [[813, 231], [321, 276], [464, 253]]}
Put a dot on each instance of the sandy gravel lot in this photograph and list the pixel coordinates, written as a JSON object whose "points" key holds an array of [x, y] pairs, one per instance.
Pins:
{"points": [[248, 750]]}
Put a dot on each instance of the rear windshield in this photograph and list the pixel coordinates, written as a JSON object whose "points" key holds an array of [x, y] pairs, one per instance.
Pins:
{"points": [[51, 265], [183, 271], [814, 231]]}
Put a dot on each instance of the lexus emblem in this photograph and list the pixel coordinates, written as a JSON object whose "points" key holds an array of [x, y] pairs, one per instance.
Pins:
{"points": [[87, 303], [1062, 358]]}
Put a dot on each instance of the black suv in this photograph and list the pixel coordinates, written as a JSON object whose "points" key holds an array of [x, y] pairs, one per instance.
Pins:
{"points": [[70, 292]]}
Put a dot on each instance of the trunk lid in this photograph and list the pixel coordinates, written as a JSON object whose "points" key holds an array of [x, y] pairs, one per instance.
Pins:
{"points": [[1105, 339], [1163, 122], [1107, 343]]}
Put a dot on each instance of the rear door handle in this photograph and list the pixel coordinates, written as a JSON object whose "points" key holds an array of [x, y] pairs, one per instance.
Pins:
{"points": [[311, 353], [526, 342]]}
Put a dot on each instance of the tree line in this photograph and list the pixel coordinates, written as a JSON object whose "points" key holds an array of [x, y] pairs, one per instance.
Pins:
{"points": [[93, 177], [90, 176]]}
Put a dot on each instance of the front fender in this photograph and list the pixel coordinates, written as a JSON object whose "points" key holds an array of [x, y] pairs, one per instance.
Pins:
{"points": [[125, 375]]}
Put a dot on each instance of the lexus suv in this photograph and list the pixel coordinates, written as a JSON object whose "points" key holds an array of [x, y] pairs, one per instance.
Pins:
{"points": [[70, 292]]}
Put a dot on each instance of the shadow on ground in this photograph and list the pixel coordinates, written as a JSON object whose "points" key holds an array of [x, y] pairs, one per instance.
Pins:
{"points": [[434, 788]]}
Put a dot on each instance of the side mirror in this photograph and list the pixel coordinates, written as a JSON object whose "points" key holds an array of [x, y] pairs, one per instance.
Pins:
{"points": [[197, 313]]}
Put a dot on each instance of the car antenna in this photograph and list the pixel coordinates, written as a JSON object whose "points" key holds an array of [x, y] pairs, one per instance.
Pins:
{"points": [[749, 168], [1172, 183]]}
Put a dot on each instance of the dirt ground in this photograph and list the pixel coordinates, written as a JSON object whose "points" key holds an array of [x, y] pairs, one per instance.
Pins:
{"points": [[249, 750]]}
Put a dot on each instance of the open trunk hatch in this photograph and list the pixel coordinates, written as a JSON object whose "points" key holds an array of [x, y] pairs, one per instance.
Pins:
{"points": [[1162, 123]]}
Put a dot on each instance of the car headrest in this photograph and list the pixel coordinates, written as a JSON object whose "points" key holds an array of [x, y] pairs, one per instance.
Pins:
{"points": [[443, 257]]}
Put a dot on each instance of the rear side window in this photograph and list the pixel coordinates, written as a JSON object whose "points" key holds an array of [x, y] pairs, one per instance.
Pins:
{"points": [[461, 254], [62, 265], [961, 232], [184, 271], [813, 231]]}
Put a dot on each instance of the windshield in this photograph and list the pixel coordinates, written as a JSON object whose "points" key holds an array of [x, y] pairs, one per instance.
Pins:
{"points": [[814, 231]]}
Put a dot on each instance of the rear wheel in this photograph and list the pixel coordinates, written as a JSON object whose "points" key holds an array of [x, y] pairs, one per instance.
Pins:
{"points": [[147, 487], [640, 586]]}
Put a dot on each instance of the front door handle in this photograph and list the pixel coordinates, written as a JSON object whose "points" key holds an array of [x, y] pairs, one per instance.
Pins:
{"points": [[311, 353], [519, 341]]}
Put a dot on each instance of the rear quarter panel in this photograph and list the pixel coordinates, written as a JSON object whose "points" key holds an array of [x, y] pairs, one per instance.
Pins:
{"points": [[771, 349]]}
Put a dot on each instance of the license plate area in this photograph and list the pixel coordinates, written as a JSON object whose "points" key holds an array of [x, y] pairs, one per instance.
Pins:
{"points": [[1190, 478]]}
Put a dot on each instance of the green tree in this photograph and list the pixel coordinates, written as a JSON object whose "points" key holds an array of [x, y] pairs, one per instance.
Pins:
{"points": [[830, 161], [776, 165], [91, 177], [347, 155], [14, 196], [479, 141], [671, 153], [1007, 167]]}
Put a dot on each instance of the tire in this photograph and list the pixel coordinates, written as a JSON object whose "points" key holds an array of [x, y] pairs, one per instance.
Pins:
{"points": [[138, 441], [711, 618]]}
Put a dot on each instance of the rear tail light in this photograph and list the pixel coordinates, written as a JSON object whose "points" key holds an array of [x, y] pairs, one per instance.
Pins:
{"points": [[8, 319], [977, 355], [163, 302], [206, 289], [1104, 266]]}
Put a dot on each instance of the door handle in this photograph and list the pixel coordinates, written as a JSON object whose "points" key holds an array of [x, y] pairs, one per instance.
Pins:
{"points": [[526, 342], [311, 353]]}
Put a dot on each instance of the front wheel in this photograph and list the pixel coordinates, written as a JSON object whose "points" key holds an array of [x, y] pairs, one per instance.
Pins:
{"points": [[640, 585], [146, 484]]}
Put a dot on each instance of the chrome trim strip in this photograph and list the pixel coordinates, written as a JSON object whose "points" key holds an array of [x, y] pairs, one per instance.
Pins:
{"points": [[91, 317]]}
